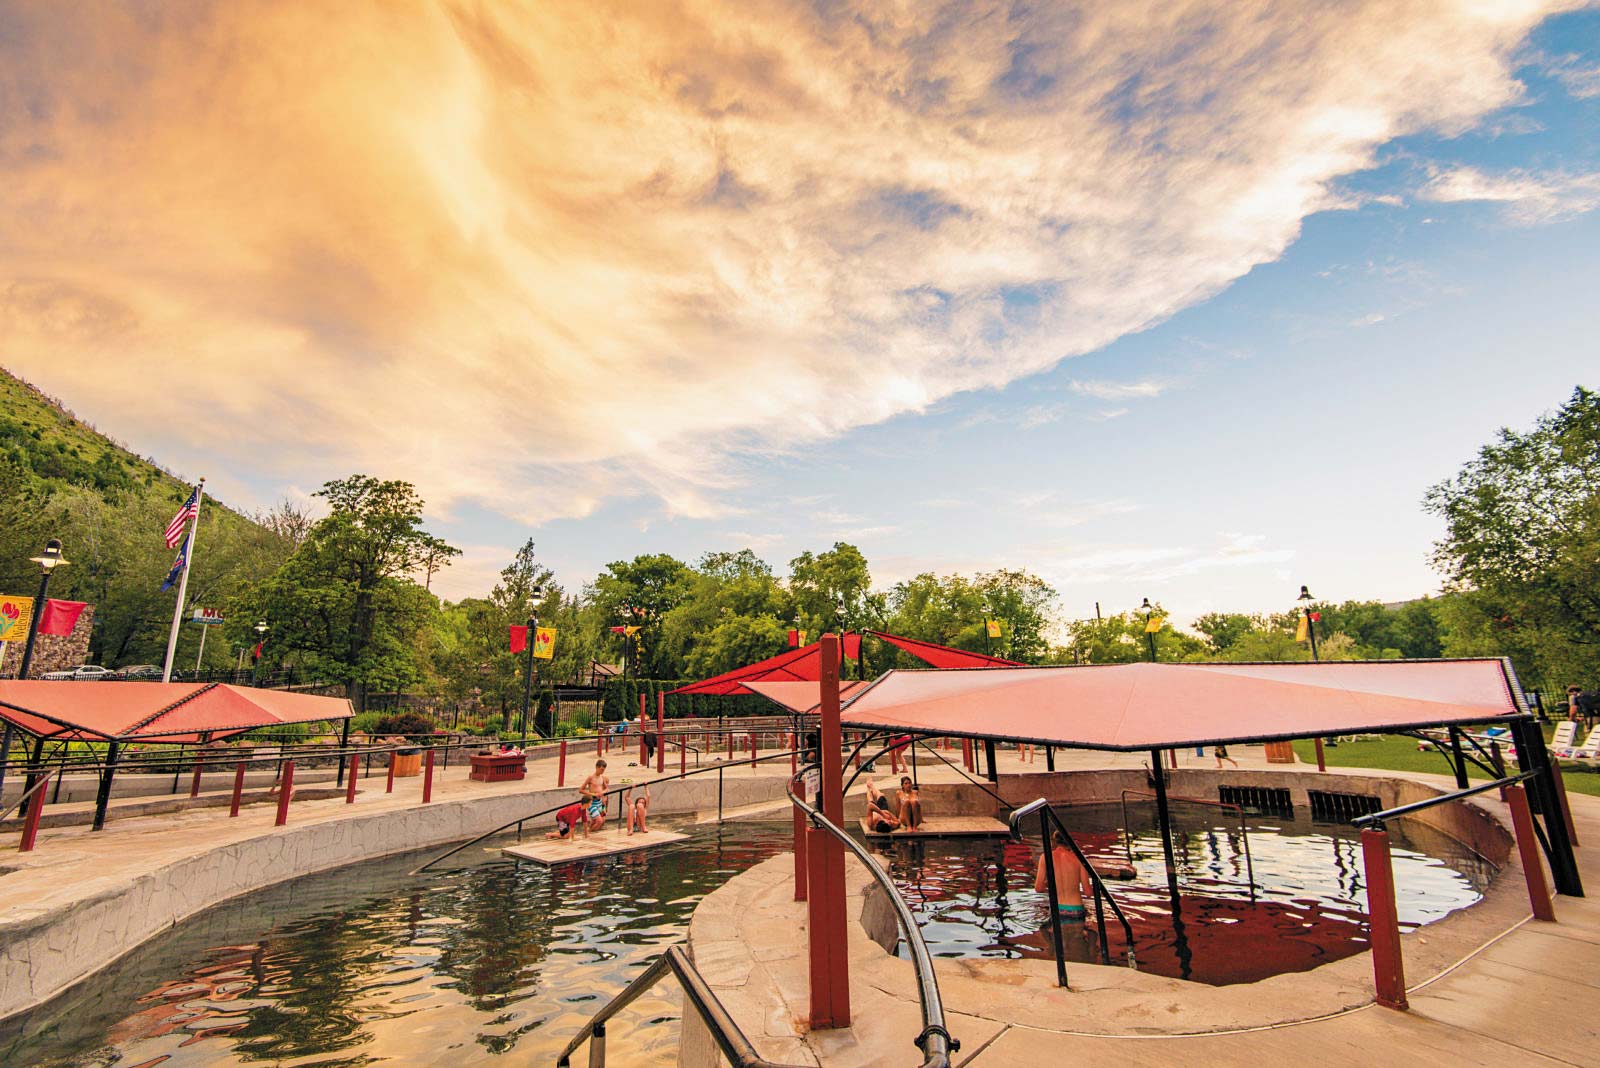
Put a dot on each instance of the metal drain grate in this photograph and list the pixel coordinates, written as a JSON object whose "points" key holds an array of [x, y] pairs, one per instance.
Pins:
{"points": [[1341, 808], [1260, 800]]}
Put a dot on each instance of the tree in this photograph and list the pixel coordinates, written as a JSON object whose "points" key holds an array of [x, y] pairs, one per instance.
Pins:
{"points": [[641, 593], [830, 589], [342, 599], [1522, 533], [1121, 639]]}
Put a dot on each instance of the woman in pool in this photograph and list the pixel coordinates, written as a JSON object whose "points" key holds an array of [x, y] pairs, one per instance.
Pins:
{"points": [[879, 816]]}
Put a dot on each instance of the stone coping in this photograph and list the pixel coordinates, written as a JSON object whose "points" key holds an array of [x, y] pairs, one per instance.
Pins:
{"points": [[743, 938]]}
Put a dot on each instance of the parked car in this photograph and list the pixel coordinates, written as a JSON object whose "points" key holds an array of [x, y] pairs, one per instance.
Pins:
{"points": [[144, 672], [81, 673]]}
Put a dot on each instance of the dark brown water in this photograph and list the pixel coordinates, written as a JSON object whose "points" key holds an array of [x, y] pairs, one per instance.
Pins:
{"points": [[501, 963]]}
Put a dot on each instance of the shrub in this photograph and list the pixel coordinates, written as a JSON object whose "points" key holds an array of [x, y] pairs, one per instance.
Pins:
{"points": [[404, 723]]}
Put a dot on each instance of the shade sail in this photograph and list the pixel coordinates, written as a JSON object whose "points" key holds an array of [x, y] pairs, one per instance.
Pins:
{"points": [[804, 663], [1150, 706], [155, 711], [942, 656], [801, 697]]}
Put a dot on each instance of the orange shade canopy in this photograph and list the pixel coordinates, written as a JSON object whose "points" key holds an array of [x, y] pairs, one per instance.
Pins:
{"points": [[155, 711], [1157, 706]]}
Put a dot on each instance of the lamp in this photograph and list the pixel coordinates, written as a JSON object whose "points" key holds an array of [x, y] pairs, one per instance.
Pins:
{"points": [[1149, 610], [48, 561]]}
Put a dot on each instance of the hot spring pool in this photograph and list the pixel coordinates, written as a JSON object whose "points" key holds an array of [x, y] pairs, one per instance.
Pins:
{"points": [[367, 965]]}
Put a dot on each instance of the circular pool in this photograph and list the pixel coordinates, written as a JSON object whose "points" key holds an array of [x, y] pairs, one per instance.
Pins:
{"points": [[370, 965]]}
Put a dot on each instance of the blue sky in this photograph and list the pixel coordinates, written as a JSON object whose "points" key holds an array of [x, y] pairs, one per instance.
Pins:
{"points": [[1173, 305]]}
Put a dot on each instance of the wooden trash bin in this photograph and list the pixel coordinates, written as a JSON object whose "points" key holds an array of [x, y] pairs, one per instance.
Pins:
{"points": [[407, 763], [492, 767], [1280, 752]]}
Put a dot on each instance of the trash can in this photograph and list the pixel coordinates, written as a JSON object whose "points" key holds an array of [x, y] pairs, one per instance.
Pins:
{"points": [[407, 762]]}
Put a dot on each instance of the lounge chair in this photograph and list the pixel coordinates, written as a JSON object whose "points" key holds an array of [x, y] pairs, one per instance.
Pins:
{"points": [[1566, 735], [1589, 750]]}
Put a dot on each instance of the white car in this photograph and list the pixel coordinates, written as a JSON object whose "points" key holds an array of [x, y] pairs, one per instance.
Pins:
{"points": [[81, 673]]}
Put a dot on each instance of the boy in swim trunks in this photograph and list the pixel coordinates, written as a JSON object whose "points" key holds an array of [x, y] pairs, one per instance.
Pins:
{"points": [[1072, 882], [568, 819], [879, 817], [593, 792]]}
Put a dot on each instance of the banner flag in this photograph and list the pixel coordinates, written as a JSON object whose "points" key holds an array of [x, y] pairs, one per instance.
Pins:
{"points": [[59, 617], [1154, 626], [15, 614], [852, 646], [544, 643], [1302, 631], [519, 637], [994, 627], [628, 631]]}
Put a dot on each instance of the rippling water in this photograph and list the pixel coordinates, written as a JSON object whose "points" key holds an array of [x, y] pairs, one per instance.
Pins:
{"points": [[502, 962]]}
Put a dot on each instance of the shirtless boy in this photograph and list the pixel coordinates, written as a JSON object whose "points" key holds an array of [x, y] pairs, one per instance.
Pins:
{"points": [[879, 817], [593, 792], [1072, 882]]}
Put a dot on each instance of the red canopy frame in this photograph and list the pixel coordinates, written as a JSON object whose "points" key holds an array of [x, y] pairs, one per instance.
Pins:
{"points": [[169, 712]]}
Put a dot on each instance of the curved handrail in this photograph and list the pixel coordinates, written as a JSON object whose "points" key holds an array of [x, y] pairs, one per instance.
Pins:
{"points": [[1014, 821], [935, 1041], [1377, 819], [453, 850], [738, 1049]]}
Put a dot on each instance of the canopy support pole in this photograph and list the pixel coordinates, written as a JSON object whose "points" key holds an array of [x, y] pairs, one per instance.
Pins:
{"points": [[988, 759], [344, 743], [102, 796], [1531, 754], [5, 754], [1458, 759], [1164, 819]]}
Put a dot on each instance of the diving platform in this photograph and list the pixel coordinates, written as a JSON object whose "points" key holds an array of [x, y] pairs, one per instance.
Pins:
{"points": [[606, 843]]}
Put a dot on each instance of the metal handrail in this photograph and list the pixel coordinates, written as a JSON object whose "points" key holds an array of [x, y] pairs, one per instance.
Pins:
{"points": [[1244, 831], [44, 780], [1377, 819], [738, 1049], [935, 1041], [1015, 820]]}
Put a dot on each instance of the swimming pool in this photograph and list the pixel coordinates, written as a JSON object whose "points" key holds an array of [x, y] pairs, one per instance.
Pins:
{"points": [[368, 965]]}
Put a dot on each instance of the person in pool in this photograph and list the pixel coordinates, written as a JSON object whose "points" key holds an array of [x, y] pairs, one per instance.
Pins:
{"points": [[593, 792], [880, 817], [568, 819], [1072, 882], [910, 815]]}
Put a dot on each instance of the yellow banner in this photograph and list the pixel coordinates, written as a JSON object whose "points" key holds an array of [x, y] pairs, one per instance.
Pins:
{"points": [[544, 643], [15, 614], [1154, 626], [994, 627], [1302, 632]]}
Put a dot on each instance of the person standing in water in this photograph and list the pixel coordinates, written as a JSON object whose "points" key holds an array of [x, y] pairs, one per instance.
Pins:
{"points": [[1072, 882]]}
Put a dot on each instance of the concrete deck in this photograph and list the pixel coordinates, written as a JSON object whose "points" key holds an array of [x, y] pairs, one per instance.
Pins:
{"points": [[1488, 985], [607, 843]]}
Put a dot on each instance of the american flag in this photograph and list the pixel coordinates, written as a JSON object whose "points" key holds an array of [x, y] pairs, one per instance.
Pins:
{"points": [[181, 520]]}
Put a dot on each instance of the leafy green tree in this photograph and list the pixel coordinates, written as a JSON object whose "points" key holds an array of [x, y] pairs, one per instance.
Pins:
{"points": [[641, 593], [736, 594], [1223, 630], [1522, 531], [1121, 639], [342, 600], [830, 589]]}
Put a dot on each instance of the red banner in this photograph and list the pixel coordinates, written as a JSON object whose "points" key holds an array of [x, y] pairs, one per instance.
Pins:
{"points": [[59, 617], [519, 638]]}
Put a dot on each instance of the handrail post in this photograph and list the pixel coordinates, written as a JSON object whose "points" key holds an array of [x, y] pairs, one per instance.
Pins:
{"points": [[194, 783], [683, 757], [389, 786], [102, 797], [34, 785], [1528, 849], [561, 764], [427, 774], [1383, 923], [350, 782], [800, 846], [597, 1046], [238, 789], [1049, 855], [661, 732], [285, 792], [1560, 790], [825, 901]]}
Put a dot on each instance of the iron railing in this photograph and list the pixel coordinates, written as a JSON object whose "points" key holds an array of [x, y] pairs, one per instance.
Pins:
{"points": [[935, 1041], [1047, 813], [1376, 820], [698, 995]]}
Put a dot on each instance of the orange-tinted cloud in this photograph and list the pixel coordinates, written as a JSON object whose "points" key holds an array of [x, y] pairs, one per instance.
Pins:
{"points": [[533, 254]]}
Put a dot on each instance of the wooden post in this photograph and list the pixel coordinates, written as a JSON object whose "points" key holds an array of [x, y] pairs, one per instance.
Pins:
{"points": [[644, 754], [1322, 762], [238, 789], [661, 732], [285, 791], [194, 783], [966, 753], [683, 756], [752, 749], [427, 773], [800, 845], [389, 786], [350, 785], [1383, 923], [825, 901], [30, 825], [1528, 849], [1561, 795], [561, 764]]}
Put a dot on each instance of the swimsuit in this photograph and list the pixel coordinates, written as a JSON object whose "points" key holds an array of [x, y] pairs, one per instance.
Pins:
{"points": [[1071, 913], [597, 807]]}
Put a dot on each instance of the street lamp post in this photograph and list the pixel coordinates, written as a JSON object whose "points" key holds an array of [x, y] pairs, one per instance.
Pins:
{"points": [[527, 673], [1149, 610], [988, 650], [1311, 633], [261, 629], [48, 561]]}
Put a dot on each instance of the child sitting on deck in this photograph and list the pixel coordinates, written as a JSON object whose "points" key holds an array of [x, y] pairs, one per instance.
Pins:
{"points": [[637, 809]]}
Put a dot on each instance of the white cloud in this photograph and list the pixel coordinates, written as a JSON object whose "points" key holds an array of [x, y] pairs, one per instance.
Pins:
{"points": [[1527, 197], [1120, 390], [534, 256], [1579, 76], [1108, 414]]}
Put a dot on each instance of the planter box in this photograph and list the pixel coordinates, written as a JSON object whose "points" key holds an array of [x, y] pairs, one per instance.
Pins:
{"points": [[492, 768]]}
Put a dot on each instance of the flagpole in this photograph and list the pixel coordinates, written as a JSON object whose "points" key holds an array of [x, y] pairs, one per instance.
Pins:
{"points": [[183, 582]]}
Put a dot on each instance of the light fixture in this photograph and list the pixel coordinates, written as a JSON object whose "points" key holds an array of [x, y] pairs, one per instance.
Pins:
{"points": [[1305, 594], [51, 556]]}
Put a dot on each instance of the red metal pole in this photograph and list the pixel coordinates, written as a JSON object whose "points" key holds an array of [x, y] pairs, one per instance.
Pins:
{"points": [[683, 759], [644, 754], [350, 785], [30, 826], [427, 773], [238, 789], [600, 741], [966, 753], [752, 749], [730, 743], [1322, 763], [389, 786], [194, 783], [285, 791], [1383, 923], [661, 733], [830, 962], [1561, 792], [561, 764], [800, 845], [1528, 849]]}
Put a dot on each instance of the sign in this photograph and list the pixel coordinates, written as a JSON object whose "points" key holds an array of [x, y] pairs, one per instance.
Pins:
{"points": [[994, 627], [210, 617], [15, 615], [812, 779], [544, 643], [1154, 626]]}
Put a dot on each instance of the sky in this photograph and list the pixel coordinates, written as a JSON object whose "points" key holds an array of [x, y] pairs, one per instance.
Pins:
{"points": [[1173, 300]]}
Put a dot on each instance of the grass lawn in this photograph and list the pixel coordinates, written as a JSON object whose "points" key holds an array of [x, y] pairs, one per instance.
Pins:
{"points": [[1401, 754]]}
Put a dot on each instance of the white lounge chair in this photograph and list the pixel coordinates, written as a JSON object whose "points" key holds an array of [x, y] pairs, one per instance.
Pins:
{"points": [[1566, 735], [1589, 750]]}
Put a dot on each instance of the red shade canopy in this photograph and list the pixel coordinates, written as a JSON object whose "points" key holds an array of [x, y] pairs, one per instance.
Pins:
{"points": [[155, 711], [942, 656], [1151, 706], [804, 663], [801, 697]]}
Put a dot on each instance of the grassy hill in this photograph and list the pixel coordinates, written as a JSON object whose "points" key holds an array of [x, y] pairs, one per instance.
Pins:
{"points": [[55, 447]]}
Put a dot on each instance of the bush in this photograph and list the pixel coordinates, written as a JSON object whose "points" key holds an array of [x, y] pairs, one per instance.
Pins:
{"points": [[404, 723]]}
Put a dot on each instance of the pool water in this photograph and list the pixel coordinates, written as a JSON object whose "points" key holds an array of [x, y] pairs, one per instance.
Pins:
{"points": [[976, 898], [499, 962]]}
